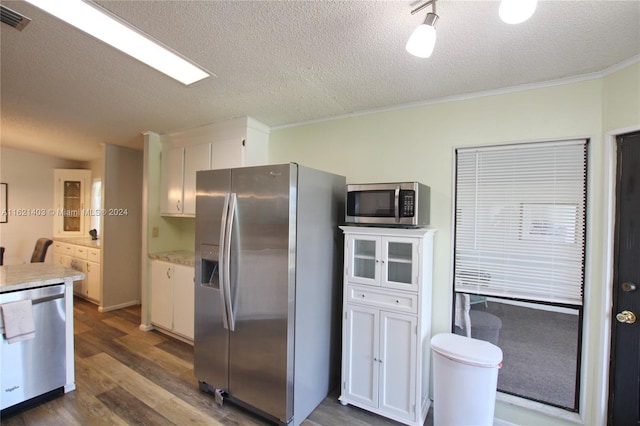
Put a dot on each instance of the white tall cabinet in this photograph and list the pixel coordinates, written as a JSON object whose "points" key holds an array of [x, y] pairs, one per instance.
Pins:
{"points": [[387, 321]]}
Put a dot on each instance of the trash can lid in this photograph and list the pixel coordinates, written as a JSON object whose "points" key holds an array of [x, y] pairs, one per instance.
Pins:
{"points": [[467, 350]]}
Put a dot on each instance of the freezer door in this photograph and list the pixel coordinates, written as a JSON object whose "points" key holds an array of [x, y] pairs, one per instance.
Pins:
{"points": [[211, 340], [262, 288]]}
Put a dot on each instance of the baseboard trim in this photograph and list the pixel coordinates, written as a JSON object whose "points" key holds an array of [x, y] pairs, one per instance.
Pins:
{"points": [[119, 306], [172, 334], [498, 422]]}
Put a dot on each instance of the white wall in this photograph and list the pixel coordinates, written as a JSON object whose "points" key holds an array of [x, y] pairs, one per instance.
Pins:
{"points": [[174, 233], [417, 144], [122, 233], [30, 186]]}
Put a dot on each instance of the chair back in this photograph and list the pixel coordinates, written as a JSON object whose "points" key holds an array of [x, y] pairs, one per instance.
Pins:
{"points": [[40, 250]]}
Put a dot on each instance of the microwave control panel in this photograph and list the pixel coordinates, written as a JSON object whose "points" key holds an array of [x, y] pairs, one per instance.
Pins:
{"points": [[408, 203]]}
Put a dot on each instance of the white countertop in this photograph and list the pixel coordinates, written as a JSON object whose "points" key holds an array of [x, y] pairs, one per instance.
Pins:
{"points": [[30, 275], [179, 257], [80, 241]]}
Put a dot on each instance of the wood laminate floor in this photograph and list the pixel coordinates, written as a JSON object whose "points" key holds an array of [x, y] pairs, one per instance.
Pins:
{"points": [[125, 376]]}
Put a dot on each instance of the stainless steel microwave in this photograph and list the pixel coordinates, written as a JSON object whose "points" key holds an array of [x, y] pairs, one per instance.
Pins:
{"points": [[403, 204]]}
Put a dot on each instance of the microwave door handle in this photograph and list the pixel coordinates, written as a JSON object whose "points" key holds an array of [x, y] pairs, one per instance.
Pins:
{"points": [[397, 204], [222, 267]]}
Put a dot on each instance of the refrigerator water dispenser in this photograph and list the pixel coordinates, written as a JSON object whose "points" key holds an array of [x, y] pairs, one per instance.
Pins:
{"points": [[210, 276]]}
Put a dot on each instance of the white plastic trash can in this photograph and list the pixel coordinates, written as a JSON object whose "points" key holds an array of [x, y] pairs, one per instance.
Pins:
{"points": [[465, 379]]}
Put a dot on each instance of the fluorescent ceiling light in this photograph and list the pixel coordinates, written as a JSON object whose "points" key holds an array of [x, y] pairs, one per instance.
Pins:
{"points": [[101, 25]]}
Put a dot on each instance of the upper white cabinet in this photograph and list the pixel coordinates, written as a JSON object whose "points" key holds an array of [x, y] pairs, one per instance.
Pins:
{"points": [[235, 143], [240, 145], [387, 321], [171, 181], [195, 158], [72, 195], [178, 178], [383, 261]]}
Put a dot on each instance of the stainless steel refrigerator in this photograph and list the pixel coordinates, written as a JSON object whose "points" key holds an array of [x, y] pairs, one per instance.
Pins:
{"points": [[268, 277]]}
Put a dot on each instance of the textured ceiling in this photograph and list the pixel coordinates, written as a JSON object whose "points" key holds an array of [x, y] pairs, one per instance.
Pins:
{"points": [[284, 62]]}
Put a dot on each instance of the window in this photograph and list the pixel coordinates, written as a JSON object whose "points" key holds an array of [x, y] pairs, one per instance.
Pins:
{"points": [[519, 262], [96, 203]]}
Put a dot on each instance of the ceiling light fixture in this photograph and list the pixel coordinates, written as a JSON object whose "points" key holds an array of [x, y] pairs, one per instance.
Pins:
{"points": [[516, 11], [423, 39], [115, 32]]}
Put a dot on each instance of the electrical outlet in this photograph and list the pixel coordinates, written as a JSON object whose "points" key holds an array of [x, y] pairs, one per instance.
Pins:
{"points": [[154, 232]]}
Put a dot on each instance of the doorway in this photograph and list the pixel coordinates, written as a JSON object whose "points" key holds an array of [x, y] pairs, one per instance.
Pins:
{"points": [[624, 374]]}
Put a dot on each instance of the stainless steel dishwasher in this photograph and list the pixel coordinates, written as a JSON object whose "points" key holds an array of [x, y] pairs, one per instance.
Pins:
{"points": [[33, 368]]}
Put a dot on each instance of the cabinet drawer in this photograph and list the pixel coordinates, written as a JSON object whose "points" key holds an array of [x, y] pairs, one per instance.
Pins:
{"points": [[63, 248], [93, 255], [391, 300], [81, 252]]}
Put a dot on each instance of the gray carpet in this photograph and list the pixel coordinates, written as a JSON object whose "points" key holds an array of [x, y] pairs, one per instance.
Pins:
{"points": [[540, 353]]}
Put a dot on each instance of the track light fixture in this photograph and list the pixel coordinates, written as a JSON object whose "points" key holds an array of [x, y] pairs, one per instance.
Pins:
{"points": [[423, 39]]}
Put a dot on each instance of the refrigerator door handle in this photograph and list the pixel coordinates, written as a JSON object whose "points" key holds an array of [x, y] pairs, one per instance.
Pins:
{"points": [[221, 262], [227, 260]]}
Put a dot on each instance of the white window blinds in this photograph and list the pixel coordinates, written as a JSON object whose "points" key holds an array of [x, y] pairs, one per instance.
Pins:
{"points": [[520, 221]]}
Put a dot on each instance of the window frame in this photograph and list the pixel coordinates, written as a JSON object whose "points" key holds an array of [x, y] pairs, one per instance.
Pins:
{"points": [[579, 307]]}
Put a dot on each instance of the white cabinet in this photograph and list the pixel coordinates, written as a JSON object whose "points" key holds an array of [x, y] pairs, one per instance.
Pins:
{"points": [[178, 178], [235, 143], [195, 158], [239, 147], [387, 321], [84, 259], [383, 261], [184, 301], [93, 280], [71, 200], [172, 297], [171, 180]]}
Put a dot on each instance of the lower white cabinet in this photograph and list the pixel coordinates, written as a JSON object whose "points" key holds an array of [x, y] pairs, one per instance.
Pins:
{"points": [[386, 334], [93, 279], [172, 297], [380, 361], [83, 259]]}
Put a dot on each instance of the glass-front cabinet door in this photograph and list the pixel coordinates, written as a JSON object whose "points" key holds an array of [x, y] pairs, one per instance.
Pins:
{"points": [[71, 210], [363, 259], [400, 265], [72, 205], [383, 261]]}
